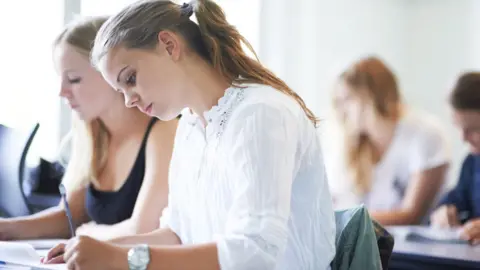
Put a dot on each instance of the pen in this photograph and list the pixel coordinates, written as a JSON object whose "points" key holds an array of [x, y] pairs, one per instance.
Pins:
{"points": [[63, 193], [463, 216]]}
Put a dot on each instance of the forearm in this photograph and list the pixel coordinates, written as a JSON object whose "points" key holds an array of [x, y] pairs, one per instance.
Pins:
{"points": [[157, 237], [50, 223], [107, 232], [396, 217], [227, 253], [144, 226], [199, 257], [127, 228]]}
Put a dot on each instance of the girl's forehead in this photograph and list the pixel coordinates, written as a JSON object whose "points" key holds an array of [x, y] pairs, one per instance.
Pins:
{"points": [[66, 57]]}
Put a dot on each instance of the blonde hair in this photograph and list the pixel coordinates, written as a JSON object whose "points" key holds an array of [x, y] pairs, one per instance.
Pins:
{"points": [[370, 78], [214, 39], [88, 140]]}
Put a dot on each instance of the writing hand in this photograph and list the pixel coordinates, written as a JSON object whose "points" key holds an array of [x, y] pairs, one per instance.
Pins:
{"points": [[471, 231], [446, 216], [84, 252], [55, 255]]}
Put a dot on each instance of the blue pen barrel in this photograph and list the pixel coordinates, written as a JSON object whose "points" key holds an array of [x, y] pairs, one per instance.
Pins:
{"points": [[63, 193]]}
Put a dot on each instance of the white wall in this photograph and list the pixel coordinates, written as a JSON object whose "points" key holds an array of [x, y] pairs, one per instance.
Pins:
{"points": [[440, 44], [427, 43], [308, 41]]}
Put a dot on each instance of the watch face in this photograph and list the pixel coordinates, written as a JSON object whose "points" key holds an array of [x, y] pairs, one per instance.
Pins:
{"points": [[139, 257]]}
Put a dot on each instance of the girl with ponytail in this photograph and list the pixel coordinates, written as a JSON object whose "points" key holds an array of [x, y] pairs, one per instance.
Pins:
{"points": [[248, 188]]}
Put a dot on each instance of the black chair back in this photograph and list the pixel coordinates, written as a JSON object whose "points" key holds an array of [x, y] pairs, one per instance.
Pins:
{"points": [[14, 145]]}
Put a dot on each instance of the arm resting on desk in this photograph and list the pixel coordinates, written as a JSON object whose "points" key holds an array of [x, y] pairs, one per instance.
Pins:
{"points": [[155, 238], [50, 223], [234, 252], [199, 257], [421, 192]]}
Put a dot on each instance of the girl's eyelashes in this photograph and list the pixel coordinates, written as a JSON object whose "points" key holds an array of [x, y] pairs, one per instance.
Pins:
{"points": [[131, 79], [74, 80]]}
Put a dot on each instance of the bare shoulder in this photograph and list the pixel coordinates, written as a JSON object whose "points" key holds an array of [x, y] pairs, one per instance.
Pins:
{"points": [[162, 134]]}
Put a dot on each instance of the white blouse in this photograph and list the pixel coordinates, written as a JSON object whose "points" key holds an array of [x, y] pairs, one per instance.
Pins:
{"points": [[419, 144], [253, 181]]}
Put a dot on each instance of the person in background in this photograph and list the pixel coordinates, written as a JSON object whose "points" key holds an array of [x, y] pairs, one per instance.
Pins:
{"points": [[248, 188], [461, 206], [117, 174], [396, 157]]}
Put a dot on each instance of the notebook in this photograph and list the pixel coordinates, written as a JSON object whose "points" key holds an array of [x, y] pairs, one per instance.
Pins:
{"points": [[16, 254], [19, 267], [432, 234], [42, 244]]}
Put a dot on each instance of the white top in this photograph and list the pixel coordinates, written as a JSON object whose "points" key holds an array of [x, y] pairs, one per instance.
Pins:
{"points": [[253, 182], [419, 144]]}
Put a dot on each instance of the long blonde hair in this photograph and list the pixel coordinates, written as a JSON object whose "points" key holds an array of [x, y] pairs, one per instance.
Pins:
{"points": [[369, 78], [88, 140], [214, 39]]}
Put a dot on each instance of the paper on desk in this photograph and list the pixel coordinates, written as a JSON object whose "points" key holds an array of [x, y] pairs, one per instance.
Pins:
{"points": [[15, 267], [434, 234], [23, 254], [42, 244], [19, 267]]}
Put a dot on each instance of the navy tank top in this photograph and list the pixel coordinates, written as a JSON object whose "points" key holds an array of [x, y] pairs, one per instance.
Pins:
{"points": [[111, 207]]}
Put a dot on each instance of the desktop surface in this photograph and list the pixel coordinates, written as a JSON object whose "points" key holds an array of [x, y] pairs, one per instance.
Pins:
{"points": [[413, 255]]}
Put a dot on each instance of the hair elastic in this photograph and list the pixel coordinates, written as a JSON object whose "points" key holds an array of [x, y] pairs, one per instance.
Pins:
{"points": [[187, 9]]}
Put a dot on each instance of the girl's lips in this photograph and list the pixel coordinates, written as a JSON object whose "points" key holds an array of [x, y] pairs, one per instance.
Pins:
{"points": [[148, 109]]}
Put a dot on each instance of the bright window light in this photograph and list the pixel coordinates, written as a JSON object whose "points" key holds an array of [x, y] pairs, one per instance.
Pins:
{"points": [[29, 90]]}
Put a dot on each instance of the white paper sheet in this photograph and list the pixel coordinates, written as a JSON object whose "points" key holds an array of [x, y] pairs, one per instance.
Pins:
{"points": [[42, 243], [23, 254]]}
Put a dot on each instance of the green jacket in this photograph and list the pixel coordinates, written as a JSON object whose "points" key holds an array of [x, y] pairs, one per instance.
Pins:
{"points": [[356, 241]]}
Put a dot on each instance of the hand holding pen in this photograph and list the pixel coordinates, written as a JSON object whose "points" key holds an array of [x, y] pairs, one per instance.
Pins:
{"points": [[447, 216], [55, 255], [471, 231]]}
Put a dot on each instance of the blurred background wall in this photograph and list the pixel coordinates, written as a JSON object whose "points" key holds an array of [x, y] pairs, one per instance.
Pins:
{"points": [[306, 42]]}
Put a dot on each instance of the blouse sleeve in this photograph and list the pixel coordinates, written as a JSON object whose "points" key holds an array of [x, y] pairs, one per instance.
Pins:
{"points": [[430, 150], [262, 159]]}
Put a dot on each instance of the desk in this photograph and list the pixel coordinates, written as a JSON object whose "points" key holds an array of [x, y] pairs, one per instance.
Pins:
{"points": [[438, 256]]}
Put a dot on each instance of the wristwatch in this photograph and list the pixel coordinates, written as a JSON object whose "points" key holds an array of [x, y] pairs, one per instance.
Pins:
{"points": [[139, 257]]}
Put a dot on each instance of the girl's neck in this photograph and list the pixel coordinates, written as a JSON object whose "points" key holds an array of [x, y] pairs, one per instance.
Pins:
{"points": [[121, 121], [206, 87]]}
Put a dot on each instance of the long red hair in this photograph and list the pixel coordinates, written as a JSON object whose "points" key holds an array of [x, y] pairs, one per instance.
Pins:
{"points": [[369, 78]]}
